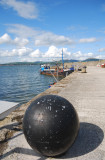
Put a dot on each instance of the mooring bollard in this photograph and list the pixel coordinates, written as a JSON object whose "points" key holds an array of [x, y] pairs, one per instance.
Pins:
{"points": [[50, 125], [84, 69]]}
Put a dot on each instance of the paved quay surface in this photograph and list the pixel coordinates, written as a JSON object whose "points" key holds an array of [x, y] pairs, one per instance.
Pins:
{"points": [[86, 91]]}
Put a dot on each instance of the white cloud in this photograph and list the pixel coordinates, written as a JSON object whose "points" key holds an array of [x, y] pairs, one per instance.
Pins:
{"points": [[81, 56], [28, 54], [5, 53], [48, 38], [15, 52], [22, 51], [17, 41], [87, 40], [26, 10], [89, 54], [66, 53], [101, 49], [54, 53], [77, 54], [23, 31], [5, 39], [37, 53], [100, 57], [27, 59], [21, 42], [40, 37]]}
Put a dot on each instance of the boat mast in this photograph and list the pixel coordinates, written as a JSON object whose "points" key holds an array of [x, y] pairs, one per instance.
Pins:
{"points": [[57, 71], [62, 59]]}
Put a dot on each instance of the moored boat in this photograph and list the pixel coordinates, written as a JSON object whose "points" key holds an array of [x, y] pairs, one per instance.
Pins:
{"points": [[47, 70], [56, 71]]}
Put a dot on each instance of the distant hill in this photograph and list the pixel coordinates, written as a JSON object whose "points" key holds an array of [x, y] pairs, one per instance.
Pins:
{"points": [[90, 59], [73, 60], [27, 63], [21, 63], [70, 61], [52, 63]]}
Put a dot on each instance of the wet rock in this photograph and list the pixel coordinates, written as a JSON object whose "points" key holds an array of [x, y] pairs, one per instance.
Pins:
{"points": [[3, 134]]}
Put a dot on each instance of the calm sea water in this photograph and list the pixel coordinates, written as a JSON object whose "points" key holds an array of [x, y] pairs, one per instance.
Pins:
{"points": [[22, 83]]}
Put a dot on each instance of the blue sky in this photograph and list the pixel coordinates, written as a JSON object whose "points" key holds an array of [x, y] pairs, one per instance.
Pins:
{"points": [[37, 30]]}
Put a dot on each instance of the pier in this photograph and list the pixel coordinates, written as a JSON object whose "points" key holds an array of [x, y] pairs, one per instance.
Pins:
{"points": [[86, 91]]}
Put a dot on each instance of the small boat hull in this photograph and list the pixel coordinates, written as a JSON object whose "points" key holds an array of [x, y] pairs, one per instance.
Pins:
{"points": [[60, 73], [46, 70]]}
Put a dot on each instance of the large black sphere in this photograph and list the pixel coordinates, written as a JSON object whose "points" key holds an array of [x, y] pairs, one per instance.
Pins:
{"points": [[50, 125]]}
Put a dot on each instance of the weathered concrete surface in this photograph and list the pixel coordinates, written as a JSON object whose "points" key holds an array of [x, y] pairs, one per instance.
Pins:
{"points": [[86, 91]]}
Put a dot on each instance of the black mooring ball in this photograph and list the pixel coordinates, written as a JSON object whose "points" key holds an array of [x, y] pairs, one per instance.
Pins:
{"points": [[50, 125]]}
